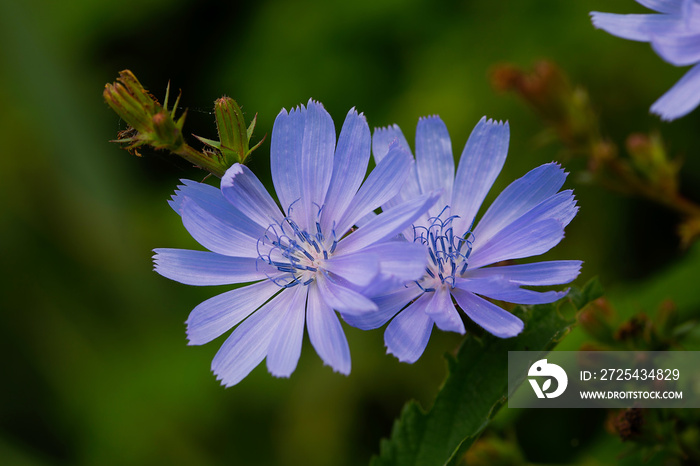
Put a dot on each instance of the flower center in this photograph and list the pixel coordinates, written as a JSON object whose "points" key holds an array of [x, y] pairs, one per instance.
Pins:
{"points": [[449, 251], [297, 253]]}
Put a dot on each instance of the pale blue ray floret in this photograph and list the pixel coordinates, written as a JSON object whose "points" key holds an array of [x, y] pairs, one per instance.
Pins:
{"points": [[525, 220], [674, 33], [303, 261]]}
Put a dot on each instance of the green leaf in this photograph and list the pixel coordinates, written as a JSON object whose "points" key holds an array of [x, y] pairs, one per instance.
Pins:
{"points": [[590, 292], [475, 388]]}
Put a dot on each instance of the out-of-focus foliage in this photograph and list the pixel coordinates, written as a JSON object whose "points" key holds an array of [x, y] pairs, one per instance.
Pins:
{"points": [[647, 171], [95, 363]]}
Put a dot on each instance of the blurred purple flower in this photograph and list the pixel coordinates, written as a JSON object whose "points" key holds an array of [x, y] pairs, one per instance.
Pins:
{"points": [[526, 219], [674, 34], [303, 264]]}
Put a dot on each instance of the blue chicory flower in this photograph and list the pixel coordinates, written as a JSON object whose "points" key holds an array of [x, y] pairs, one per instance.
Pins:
{"points": [[303, 262], [674, 33], [526, 219]]}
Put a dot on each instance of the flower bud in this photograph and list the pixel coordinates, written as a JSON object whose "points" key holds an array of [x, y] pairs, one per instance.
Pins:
{"points": [[151, 123], [234, 137], [154, 125]]}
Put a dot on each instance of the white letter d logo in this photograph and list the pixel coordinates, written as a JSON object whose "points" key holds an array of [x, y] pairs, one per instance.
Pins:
{"points": [[542, 368]]}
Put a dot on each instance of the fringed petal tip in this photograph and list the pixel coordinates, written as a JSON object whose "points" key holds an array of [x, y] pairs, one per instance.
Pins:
{"points": [[681, 99], [315, 103], [178, 196], [353, 112], [225, 384], [407, 360], [155, 257], [493, 122], [395, 144], [404, 355], [388, 136], [344, 369], [666, 114], [608, 22], [301, 108], [553, 165], [595, 18], [382, 129], [433, 117]]}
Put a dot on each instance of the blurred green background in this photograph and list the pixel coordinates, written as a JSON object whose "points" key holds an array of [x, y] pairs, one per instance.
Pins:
{"points": [[95, 367]]}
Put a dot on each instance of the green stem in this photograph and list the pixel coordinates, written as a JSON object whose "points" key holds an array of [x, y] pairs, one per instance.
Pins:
{"points": [[199, 159]]}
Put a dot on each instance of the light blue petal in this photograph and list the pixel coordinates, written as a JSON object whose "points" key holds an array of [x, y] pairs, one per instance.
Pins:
{"points": [[488, 316], [535, 274], [407, 335], [221, 230], [678, 50], [349, 167], [285, 154], [326, 333], [247, 346], [212, 201], [358, 268], [204, 268], [382, 285], [382, 184], [681, 99], [497, 287], [519, 197], [317, 152], [434, 160], [247, 194], [637, 27], [409, 190], [523, 296], [383, 138], [201, 192], [520, 239], [365, 219], [400, 259], [690, 12], [443, 312], [560, 207], [662, 6], [481, 162], [388, 305], [342, 298], [388, 224], [216, 315], [285, 346]]}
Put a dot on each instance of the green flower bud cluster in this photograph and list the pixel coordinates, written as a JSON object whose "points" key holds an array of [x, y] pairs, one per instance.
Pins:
{"points": [[156, 126]]}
